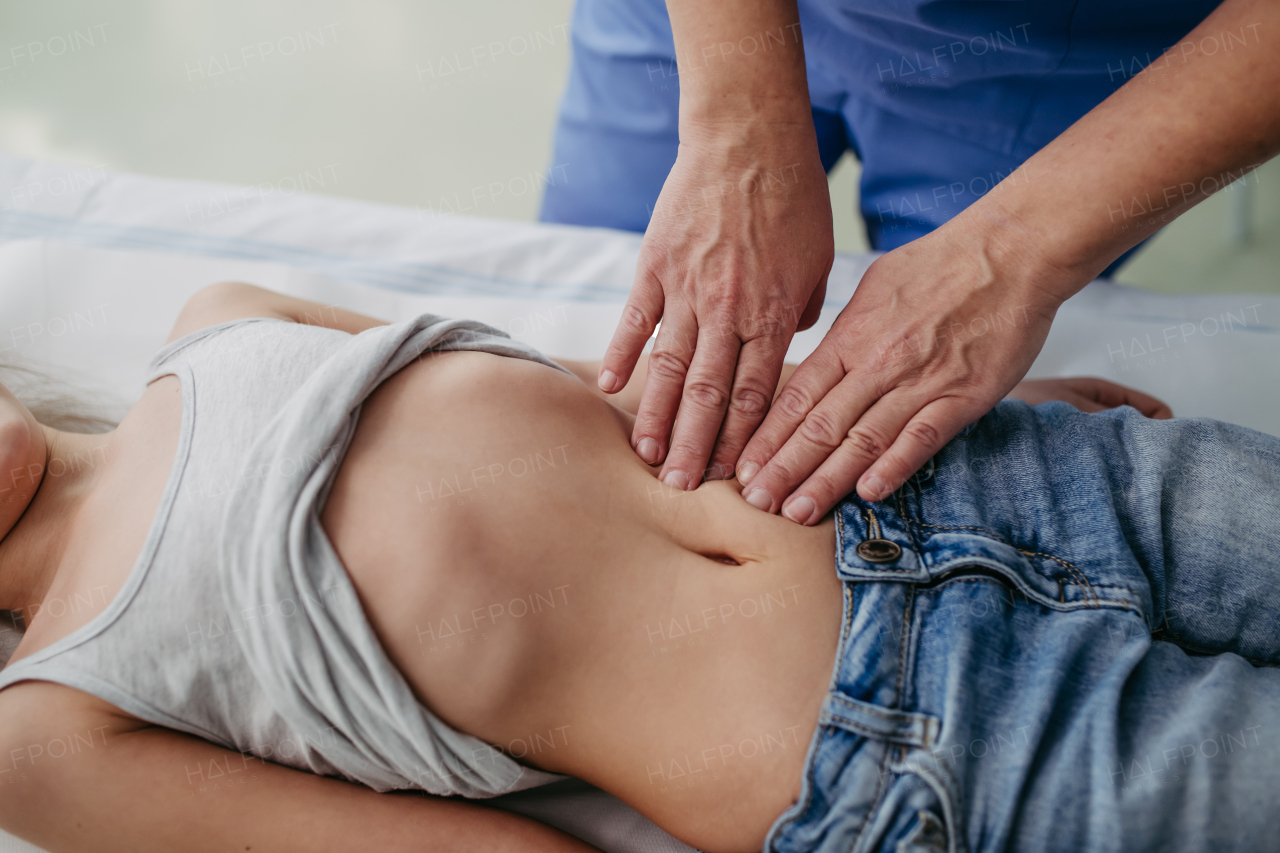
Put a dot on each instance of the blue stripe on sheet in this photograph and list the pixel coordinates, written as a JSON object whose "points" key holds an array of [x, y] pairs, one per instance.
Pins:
{"points": [[404, 276]]}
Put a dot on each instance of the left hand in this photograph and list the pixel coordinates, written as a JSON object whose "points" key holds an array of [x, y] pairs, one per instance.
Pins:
{"points": [[938, 331]]}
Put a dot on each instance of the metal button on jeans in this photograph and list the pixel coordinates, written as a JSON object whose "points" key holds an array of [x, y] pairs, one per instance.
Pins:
{"points": [[879, 550]]}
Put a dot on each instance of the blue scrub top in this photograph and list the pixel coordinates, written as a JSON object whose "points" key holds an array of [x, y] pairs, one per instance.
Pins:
{"points": [[939, 100]]}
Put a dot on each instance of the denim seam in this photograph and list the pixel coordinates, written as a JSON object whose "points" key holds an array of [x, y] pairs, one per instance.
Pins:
{"points": [[881, 788], [1121, 602], [823, 731], [949, 810], [1078, 577], [990, 533], [973, 579], [1108, 602], [894, 574], [907, 609], [881, 791], [1071, 568], [1094, 603], [906, 650], [906, 516]]}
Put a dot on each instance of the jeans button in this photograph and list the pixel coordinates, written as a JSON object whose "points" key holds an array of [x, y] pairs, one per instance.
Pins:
{"points": [[879, 550]]}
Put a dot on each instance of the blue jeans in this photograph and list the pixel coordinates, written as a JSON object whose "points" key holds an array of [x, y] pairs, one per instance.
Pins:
{"points": [[1061, 634]]}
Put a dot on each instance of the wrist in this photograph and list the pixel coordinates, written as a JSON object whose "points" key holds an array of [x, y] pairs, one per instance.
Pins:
{"points": [[1003, 233], [713, 106], [736, 115], [753, 142]]}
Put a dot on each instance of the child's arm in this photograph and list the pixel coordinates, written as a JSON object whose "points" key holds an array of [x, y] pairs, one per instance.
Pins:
{"points": [[1089, 394], [233, 300]]}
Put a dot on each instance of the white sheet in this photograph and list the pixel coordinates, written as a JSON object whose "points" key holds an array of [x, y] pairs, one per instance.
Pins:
{"points": [[558, 287], [94, 267]]}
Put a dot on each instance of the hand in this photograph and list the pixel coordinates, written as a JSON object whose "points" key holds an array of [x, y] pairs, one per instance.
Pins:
{"points": [[1089, 394], [936, 334], [734, 261]]}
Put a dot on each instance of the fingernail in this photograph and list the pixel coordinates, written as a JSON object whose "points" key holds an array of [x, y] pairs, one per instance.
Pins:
{"points": [[677, 479], [759, 499], [716, 471], [606, 380], [799, 509], [747, 471], [876, 487], [648, 450]]}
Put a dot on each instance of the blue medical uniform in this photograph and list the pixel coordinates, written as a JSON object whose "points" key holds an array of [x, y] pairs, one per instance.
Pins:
{"points": [[938, 100]]}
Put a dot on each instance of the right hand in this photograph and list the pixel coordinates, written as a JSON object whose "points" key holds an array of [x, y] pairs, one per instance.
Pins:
{"points": [[734, 261]]}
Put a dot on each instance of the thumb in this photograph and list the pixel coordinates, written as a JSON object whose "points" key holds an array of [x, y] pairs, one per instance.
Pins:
{"points": [[640, 317]]}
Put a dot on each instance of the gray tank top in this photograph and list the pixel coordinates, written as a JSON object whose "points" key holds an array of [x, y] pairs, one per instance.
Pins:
{"points": [[238, 622]]}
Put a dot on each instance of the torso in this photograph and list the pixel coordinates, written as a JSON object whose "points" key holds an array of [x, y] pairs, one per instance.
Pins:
{"points": [[654, 661], [541, 590]]}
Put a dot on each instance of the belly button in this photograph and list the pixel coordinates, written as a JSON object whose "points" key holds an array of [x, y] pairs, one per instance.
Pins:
{"points": [[723, 558]]}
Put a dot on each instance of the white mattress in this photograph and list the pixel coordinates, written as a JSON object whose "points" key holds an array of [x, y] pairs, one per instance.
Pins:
{"points": [[94, 267]]}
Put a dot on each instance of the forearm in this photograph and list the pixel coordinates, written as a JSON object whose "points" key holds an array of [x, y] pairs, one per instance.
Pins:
{"points": [[146, 788], [1203, 114], [738, 60]]}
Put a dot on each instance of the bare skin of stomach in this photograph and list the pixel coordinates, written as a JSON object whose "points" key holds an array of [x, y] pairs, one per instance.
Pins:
{"points": [[540, 589]]}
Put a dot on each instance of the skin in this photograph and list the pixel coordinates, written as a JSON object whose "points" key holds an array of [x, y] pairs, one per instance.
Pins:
{"points": [[733, 274], [42, 502], [619, 555]]}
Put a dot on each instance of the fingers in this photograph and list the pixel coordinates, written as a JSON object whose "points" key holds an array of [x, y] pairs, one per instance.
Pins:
{"points": [[922, 437], [759, 365], [1112, 394], [864, 443], [701, 407], [640, 317], [669, 363], [1145, 403], [867, 458], [815, 376], [827, 434], [1083, 403]]}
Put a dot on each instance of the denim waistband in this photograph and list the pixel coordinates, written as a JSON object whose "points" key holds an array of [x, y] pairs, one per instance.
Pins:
{"points": [[921, 551]]}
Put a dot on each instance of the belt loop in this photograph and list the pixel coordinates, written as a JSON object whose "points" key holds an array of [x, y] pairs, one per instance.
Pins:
{"points": [[873, 721], [873, 523]]}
